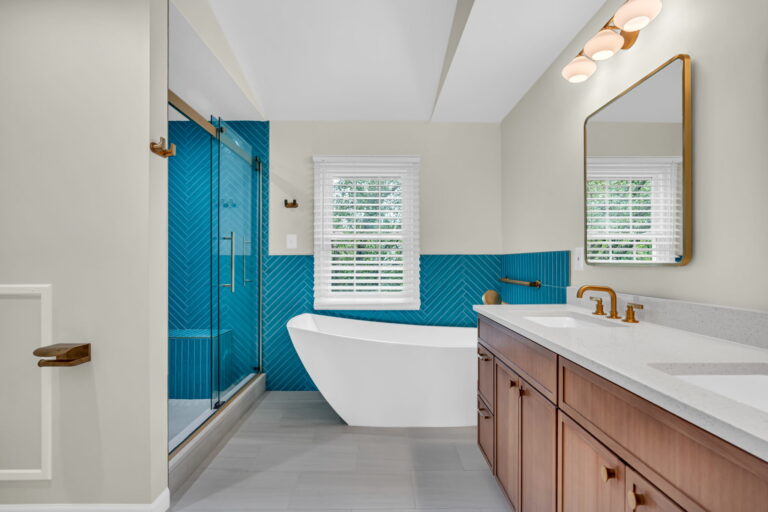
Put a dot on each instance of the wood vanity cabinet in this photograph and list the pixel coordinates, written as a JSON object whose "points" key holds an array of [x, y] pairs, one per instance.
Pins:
{"points": [[561, 438], [485, 431], [508, 432], [525, 442], [485, 374], [589, 476]]}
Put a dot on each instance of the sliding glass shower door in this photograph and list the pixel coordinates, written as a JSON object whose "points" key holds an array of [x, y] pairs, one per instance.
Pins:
{"points": [[214, 249], [238, 262], [192, 351]]}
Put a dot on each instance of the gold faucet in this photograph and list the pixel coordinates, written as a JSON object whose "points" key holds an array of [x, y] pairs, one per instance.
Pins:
{"points": [[606, 289]]}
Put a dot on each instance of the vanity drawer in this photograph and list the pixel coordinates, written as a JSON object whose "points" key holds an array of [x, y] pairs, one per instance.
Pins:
{"points": [[485, 431], [535, 363], [485, 374], [694, 468]]}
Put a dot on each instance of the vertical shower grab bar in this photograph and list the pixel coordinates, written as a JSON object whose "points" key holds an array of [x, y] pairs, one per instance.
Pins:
{"points": [[231, 239], [245, 261]]}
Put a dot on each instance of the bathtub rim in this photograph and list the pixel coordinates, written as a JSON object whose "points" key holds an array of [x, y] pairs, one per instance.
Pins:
{"points": [[380, 327]]}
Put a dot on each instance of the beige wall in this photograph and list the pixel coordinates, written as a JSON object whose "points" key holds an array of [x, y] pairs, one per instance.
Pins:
{"points": [[542, 152], [460, 174], [83, 206], [635, 139]]}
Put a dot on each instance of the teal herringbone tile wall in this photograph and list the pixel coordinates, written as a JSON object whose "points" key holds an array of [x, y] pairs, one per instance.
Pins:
{"points": [[450, 285], [551, 268]]}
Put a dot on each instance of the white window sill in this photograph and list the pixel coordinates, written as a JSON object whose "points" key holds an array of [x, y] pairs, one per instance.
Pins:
{"points": [[331, 305]]}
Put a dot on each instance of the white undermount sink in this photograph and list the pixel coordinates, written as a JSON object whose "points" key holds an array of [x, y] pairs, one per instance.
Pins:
{"points": [[742, 382], [570, 321]]}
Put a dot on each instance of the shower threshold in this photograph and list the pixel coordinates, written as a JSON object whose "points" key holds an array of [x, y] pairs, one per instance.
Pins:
{"points": [[186, 416]]}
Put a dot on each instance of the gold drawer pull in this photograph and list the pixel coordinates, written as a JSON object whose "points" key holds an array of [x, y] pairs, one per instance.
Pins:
{"points": [[483, 413], [607, 473], [483, 357], [634, 500]]}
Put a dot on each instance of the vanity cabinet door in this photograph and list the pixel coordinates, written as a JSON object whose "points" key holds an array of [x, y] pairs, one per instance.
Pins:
{"points": [[485, 371], [644, 497], [538, 449], [589, 476], [485, 431], [508, 432]]}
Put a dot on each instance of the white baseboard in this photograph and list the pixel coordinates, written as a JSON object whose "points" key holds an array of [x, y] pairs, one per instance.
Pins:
{"points": [[161, 504]]}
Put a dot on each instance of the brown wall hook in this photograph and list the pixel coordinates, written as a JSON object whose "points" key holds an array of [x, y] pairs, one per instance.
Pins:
{"points": [[159, 148], [67, 354]]}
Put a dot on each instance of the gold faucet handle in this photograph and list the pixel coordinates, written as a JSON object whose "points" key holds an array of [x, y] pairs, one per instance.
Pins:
{"points": [[598, 306], [630, 316]]}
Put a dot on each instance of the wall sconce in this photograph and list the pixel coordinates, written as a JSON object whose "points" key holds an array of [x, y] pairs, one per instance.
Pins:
{"points": [[620, 33]]}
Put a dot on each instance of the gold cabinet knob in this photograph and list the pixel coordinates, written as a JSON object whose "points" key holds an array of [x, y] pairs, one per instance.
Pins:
{"points": [[607, 473], [634, 500]]}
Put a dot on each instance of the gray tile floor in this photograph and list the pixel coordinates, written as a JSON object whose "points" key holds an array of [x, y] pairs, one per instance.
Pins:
{"points": [[292, 452]]}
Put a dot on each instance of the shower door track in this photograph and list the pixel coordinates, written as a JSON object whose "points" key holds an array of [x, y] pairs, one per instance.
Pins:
{"points": [[182, 106], [243, 386]]}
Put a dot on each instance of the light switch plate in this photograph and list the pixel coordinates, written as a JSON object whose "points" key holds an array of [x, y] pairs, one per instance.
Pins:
{"points": [[291, 241], [577, 259]]}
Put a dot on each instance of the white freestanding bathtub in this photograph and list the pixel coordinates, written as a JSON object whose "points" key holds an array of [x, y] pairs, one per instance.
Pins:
{"points": [[377, 374]]}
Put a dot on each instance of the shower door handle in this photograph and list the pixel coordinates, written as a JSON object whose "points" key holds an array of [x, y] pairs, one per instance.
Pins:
{"points": [[231, 239], [245, 261]]}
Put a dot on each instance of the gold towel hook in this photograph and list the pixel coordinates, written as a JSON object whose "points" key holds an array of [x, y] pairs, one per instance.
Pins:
{"points": [[160, 149]]}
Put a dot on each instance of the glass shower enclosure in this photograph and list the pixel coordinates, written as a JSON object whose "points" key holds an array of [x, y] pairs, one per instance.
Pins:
{"points": [[214, 269]]}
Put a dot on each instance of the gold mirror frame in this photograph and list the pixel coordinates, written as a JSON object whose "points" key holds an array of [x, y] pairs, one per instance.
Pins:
{"points": [[687, 165]]}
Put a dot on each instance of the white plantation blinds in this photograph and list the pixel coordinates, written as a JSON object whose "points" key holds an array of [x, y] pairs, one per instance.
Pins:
{"points": [[634, 210], [367, 232]]}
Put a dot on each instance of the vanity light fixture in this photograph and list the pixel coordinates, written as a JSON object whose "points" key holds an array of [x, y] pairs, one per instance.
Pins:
{"points": [[619, 33], [636, 14], [604, 45], [579, 69]]}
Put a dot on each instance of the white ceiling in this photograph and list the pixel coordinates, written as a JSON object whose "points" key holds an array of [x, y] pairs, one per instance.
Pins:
{"points": [[198, 77], [505, 47], [340, 59], [380, 60]]}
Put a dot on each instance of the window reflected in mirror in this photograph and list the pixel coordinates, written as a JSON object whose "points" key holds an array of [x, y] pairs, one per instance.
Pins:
{"points": [[637, 172]]}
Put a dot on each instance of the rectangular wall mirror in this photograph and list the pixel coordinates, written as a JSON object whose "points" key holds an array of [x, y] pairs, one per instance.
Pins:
{"points": [[637, 169]]}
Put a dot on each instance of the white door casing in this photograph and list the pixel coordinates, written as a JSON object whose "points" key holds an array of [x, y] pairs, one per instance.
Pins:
{"points": [[26, 317]]}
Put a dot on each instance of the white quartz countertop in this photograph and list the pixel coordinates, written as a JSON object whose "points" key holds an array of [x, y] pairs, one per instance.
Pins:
{"points": [[644, 358]]}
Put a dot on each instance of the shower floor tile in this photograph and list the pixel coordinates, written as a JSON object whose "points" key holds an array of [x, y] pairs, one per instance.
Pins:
{"points": [[184, 416], [293, 453]]}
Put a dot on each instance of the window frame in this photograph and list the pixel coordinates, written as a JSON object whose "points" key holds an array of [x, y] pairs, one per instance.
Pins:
{"points": [[328, 167]]}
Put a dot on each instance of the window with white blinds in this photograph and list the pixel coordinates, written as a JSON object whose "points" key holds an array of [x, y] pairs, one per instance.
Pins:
{"points": [[634, 210], [367, 232]]}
